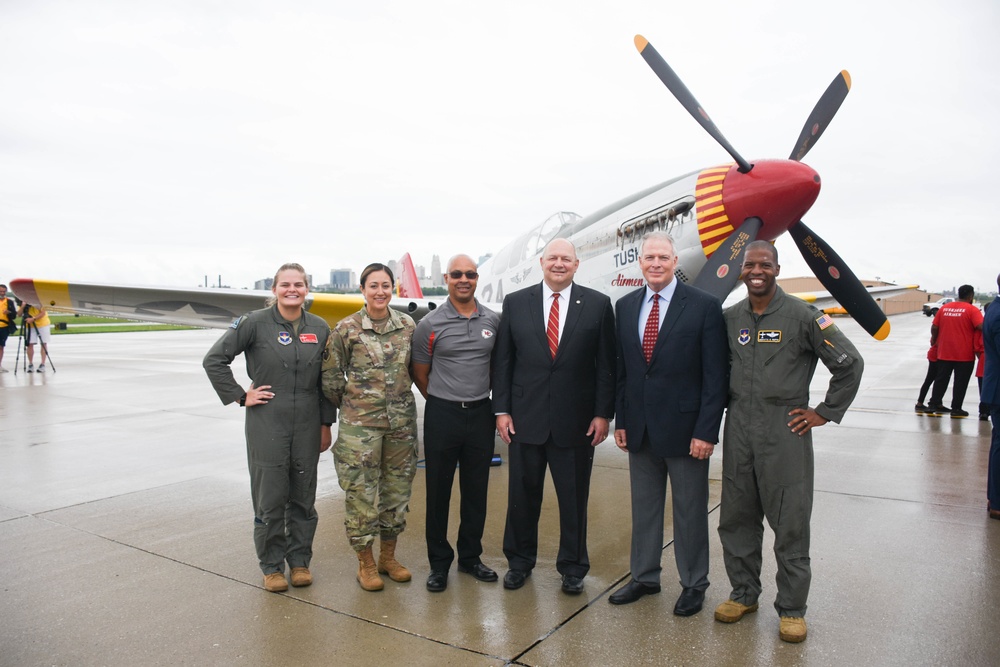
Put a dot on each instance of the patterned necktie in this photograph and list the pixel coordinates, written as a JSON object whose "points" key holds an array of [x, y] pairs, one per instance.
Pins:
{"points": [[552, 330], [652, 329]]}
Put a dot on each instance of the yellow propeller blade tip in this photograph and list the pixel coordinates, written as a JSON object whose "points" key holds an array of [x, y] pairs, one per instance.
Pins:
{"points": [[883, 332], [847, 77], [640, 42]]}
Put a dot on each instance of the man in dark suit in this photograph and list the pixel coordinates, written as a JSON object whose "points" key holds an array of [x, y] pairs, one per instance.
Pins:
{"points": [[553, 393], [673, 369]]}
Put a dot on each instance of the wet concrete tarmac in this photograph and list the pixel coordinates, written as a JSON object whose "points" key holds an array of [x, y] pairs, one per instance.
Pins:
{"points": [[125, 523]]}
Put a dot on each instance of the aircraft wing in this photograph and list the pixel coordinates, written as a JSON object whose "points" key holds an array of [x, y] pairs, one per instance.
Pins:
{"points": [[200, 306], [824, 301]]}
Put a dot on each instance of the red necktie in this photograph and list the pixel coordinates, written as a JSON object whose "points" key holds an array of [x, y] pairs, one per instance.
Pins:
{"points": [[652, 329], [552, 330]]}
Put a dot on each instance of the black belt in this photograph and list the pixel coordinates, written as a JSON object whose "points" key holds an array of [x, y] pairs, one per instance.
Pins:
{"points": [[463, 404]]}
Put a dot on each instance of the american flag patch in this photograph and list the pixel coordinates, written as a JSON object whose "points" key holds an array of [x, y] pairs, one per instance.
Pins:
{"points": [[824, 321]]}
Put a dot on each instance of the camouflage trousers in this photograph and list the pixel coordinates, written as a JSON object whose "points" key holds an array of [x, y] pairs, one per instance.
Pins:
{"points": [[375, 467]]}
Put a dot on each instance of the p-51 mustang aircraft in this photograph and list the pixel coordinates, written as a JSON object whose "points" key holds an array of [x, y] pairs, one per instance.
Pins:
{"points": [[712, 214]]}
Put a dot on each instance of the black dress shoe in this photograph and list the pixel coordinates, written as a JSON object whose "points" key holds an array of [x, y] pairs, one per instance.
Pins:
{"points": [[479, 571], [632, 591], [514, 579], [437, 581], [572, 585], [690, 602]]}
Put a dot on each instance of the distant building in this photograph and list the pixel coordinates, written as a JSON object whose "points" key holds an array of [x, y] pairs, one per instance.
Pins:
{"points": [[343, 279], [421, 273], [394, 267], [437, 275], [906, 302]]}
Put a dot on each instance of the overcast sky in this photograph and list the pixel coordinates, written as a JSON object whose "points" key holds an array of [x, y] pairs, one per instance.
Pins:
{"points": [[159, 142]]}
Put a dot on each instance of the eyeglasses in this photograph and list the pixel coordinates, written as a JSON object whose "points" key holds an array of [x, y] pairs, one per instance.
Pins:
{"points": [[471, 275]]}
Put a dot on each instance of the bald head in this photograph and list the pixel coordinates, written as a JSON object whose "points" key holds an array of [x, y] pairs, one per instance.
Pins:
{"points": [[462, 283], [464, 259]]}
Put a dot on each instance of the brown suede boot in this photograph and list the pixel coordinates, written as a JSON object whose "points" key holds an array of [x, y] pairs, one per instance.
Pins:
{"points": [[367, 574], [387, 563]]}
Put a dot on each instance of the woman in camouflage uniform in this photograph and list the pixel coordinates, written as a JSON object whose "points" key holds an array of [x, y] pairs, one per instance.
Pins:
{"points": [[366, 373]]}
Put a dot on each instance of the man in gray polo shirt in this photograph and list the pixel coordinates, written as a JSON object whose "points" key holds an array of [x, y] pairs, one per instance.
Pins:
{"points": [[452, 350]]}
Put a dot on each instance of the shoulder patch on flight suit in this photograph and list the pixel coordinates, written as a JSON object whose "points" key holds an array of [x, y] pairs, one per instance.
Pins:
{"points": [[237, 321], [769, 336], [843, 355], [824, 321]]}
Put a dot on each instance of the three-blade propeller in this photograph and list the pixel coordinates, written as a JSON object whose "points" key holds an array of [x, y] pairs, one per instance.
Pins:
{"points": [[722, 272]]}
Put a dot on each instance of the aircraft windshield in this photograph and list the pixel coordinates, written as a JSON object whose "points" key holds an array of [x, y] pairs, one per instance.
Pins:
{"points": [[532, 243]]}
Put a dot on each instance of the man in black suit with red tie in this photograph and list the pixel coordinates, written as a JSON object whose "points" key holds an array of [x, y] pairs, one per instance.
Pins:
{"points": [[554, 394], [673, 370]]}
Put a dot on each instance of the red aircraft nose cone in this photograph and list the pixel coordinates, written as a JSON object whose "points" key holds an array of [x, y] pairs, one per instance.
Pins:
{"points": [[779, 192]]}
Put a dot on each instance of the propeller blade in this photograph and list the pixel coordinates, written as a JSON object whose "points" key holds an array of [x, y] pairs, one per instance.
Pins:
{"points": [[719, 276], [684, 96], [821, 115], [840, 281]]}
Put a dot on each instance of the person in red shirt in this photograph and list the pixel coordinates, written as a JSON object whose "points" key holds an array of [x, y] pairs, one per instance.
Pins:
{"points": [[920, 408], [953, 331]]}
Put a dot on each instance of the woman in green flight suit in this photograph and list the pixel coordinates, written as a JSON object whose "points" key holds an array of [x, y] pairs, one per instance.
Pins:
{"points": [[287, 420]]}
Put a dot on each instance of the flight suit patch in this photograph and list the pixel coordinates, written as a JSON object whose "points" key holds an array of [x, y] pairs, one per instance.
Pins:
{"points": [[284, 338], [769, 336], [824, 322], [744, 337], [308, 338]]}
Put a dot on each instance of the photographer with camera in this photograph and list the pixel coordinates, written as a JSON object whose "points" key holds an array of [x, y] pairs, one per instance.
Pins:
{"points": [[37, 327], [8, 326]]}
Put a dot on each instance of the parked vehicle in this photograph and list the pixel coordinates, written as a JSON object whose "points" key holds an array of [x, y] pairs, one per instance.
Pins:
{"points": [[930, 309]]}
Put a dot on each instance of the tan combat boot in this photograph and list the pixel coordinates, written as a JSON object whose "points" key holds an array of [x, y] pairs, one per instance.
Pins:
{"points": [[367, 574], [301, 576], [387, 563], [792, 629]]}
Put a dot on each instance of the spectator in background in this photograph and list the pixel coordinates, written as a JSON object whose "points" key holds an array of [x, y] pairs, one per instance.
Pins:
{"points": [[990, 395], [8, 317], [953, 331], [984, 408], [928, 379], [37, 327]]}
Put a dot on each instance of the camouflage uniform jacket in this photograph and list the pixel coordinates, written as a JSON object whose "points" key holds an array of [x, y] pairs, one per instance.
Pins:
{"points": [[366, 371]]}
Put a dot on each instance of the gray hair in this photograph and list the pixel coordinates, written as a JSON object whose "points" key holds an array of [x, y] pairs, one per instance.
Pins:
{"points": [[657, 235]]}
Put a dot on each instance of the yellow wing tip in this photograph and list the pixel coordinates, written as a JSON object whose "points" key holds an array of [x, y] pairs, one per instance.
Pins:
{"points": [[883, 331], [640, 42], [847, 77]]}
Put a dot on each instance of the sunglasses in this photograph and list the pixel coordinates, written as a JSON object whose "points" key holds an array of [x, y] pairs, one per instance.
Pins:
{"points": [[471, 275]]}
